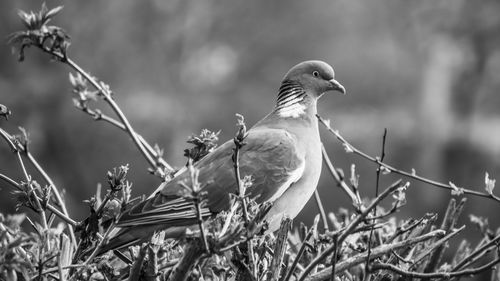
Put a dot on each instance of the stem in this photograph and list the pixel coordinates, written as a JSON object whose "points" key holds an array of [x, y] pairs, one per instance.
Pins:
{"points": [[440, 275], [65, 216], [355, 198], [301, 251], [321, 210], [377, 184], [43, 218], [401, 172], [114, 106], [280, 248], [57, 195], [352, 226], [376, 252], [238, 141], [51, 208]]}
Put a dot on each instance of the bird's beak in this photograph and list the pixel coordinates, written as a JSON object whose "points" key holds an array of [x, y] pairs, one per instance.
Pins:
{"points": [[336, 86]]}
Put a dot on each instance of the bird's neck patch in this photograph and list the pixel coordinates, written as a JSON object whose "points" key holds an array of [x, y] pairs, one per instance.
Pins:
{"points": [[290, 100]]}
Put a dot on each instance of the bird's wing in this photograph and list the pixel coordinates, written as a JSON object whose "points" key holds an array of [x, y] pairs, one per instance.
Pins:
{"points": [[270, 156]]}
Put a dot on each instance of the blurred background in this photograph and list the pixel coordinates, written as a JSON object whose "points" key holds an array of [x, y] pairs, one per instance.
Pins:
{"points": [[425, 70]]}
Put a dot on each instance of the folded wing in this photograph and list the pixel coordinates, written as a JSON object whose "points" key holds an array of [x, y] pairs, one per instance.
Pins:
{"points": [[270, 156]]}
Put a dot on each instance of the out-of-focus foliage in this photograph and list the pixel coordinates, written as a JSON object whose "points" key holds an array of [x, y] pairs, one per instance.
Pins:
{"points": [[426, 70]]}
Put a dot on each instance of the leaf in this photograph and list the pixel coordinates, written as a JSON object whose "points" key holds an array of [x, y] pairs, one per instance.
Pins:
{"points": [[15, 221], [385, 170], [347, 148], [50, 14], [455, 190], [489, 183], [354, 179]]}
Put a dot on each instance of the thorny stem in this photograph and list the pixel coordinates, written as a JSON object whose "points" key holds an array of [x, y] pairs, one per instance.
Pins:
{"points": [[401, 172], [349, 229]]}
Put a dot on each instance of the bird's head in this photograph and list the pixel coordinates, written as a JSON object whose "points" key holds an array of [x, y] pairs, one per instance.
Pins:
{"points": [[315, 77]]}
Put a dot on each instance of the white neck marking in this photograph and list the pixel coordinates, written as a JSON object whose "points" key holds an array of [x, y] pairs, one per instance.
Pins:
{"points": [[294, 110]]}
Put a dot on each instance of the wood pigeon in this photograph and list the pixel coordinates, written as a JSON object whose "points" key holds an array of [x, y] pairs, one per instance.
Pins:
{"points": [[282, 154]]}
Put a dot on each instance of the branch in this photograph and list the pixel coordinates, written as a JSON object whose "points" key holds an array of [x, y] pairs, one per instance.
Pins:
{"points": [[280, 248], [321, 210], [394, 208], [238, 144], [477, 252], [154, 160], [350, 228], [350, 148], [64, 215], [355, 198], [441, 275], [376, 252], [192, 253], [302, 248]]}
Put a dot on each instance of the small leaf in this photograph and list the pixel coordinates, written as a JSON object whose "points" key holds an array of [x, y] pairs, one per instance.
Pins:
{"points": [[385, 170], [347, 148], [354, 179], [327, 122], [455, 190], [53, 12], [489, 183]]}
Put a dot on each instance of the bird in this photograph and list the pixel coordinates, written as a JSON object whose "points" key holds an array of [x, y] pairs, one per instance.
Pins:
{"points": [[282, 154]]}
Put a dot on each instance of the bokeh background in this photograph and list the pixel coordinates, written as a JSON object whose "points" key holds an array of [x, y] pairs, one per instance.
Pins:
{"points": [[428, 71]]}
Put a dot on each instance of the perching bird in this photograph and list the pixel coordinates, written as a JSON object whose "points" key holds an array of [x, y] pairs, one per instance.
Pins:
{"points": [[282, 154]]}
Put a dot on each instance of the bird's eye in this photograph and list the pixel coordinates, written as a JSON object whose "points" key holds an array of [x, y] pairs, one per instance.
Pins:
{"points": [[315, 73]]}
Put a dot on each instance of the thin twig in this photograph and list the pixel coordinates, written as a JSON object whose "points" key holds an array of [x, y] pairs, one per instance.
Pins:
{"points": [[97, 249], [99, 116], [355, 198], [349, 147], [114, 106], [466, 260], [377, 184], [280, 248], [376, 252], [449, 221], [56, 193], [238, 144], [437, 244], [40, 209], [352, 226], [443, 275], [321, 210], [192, 254], [64, 215], [302, 249]]}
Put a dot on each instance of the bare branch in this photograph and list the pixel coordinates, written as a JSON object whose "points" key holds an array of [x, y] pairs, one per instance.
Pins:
{"points": [[414, 176]]}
